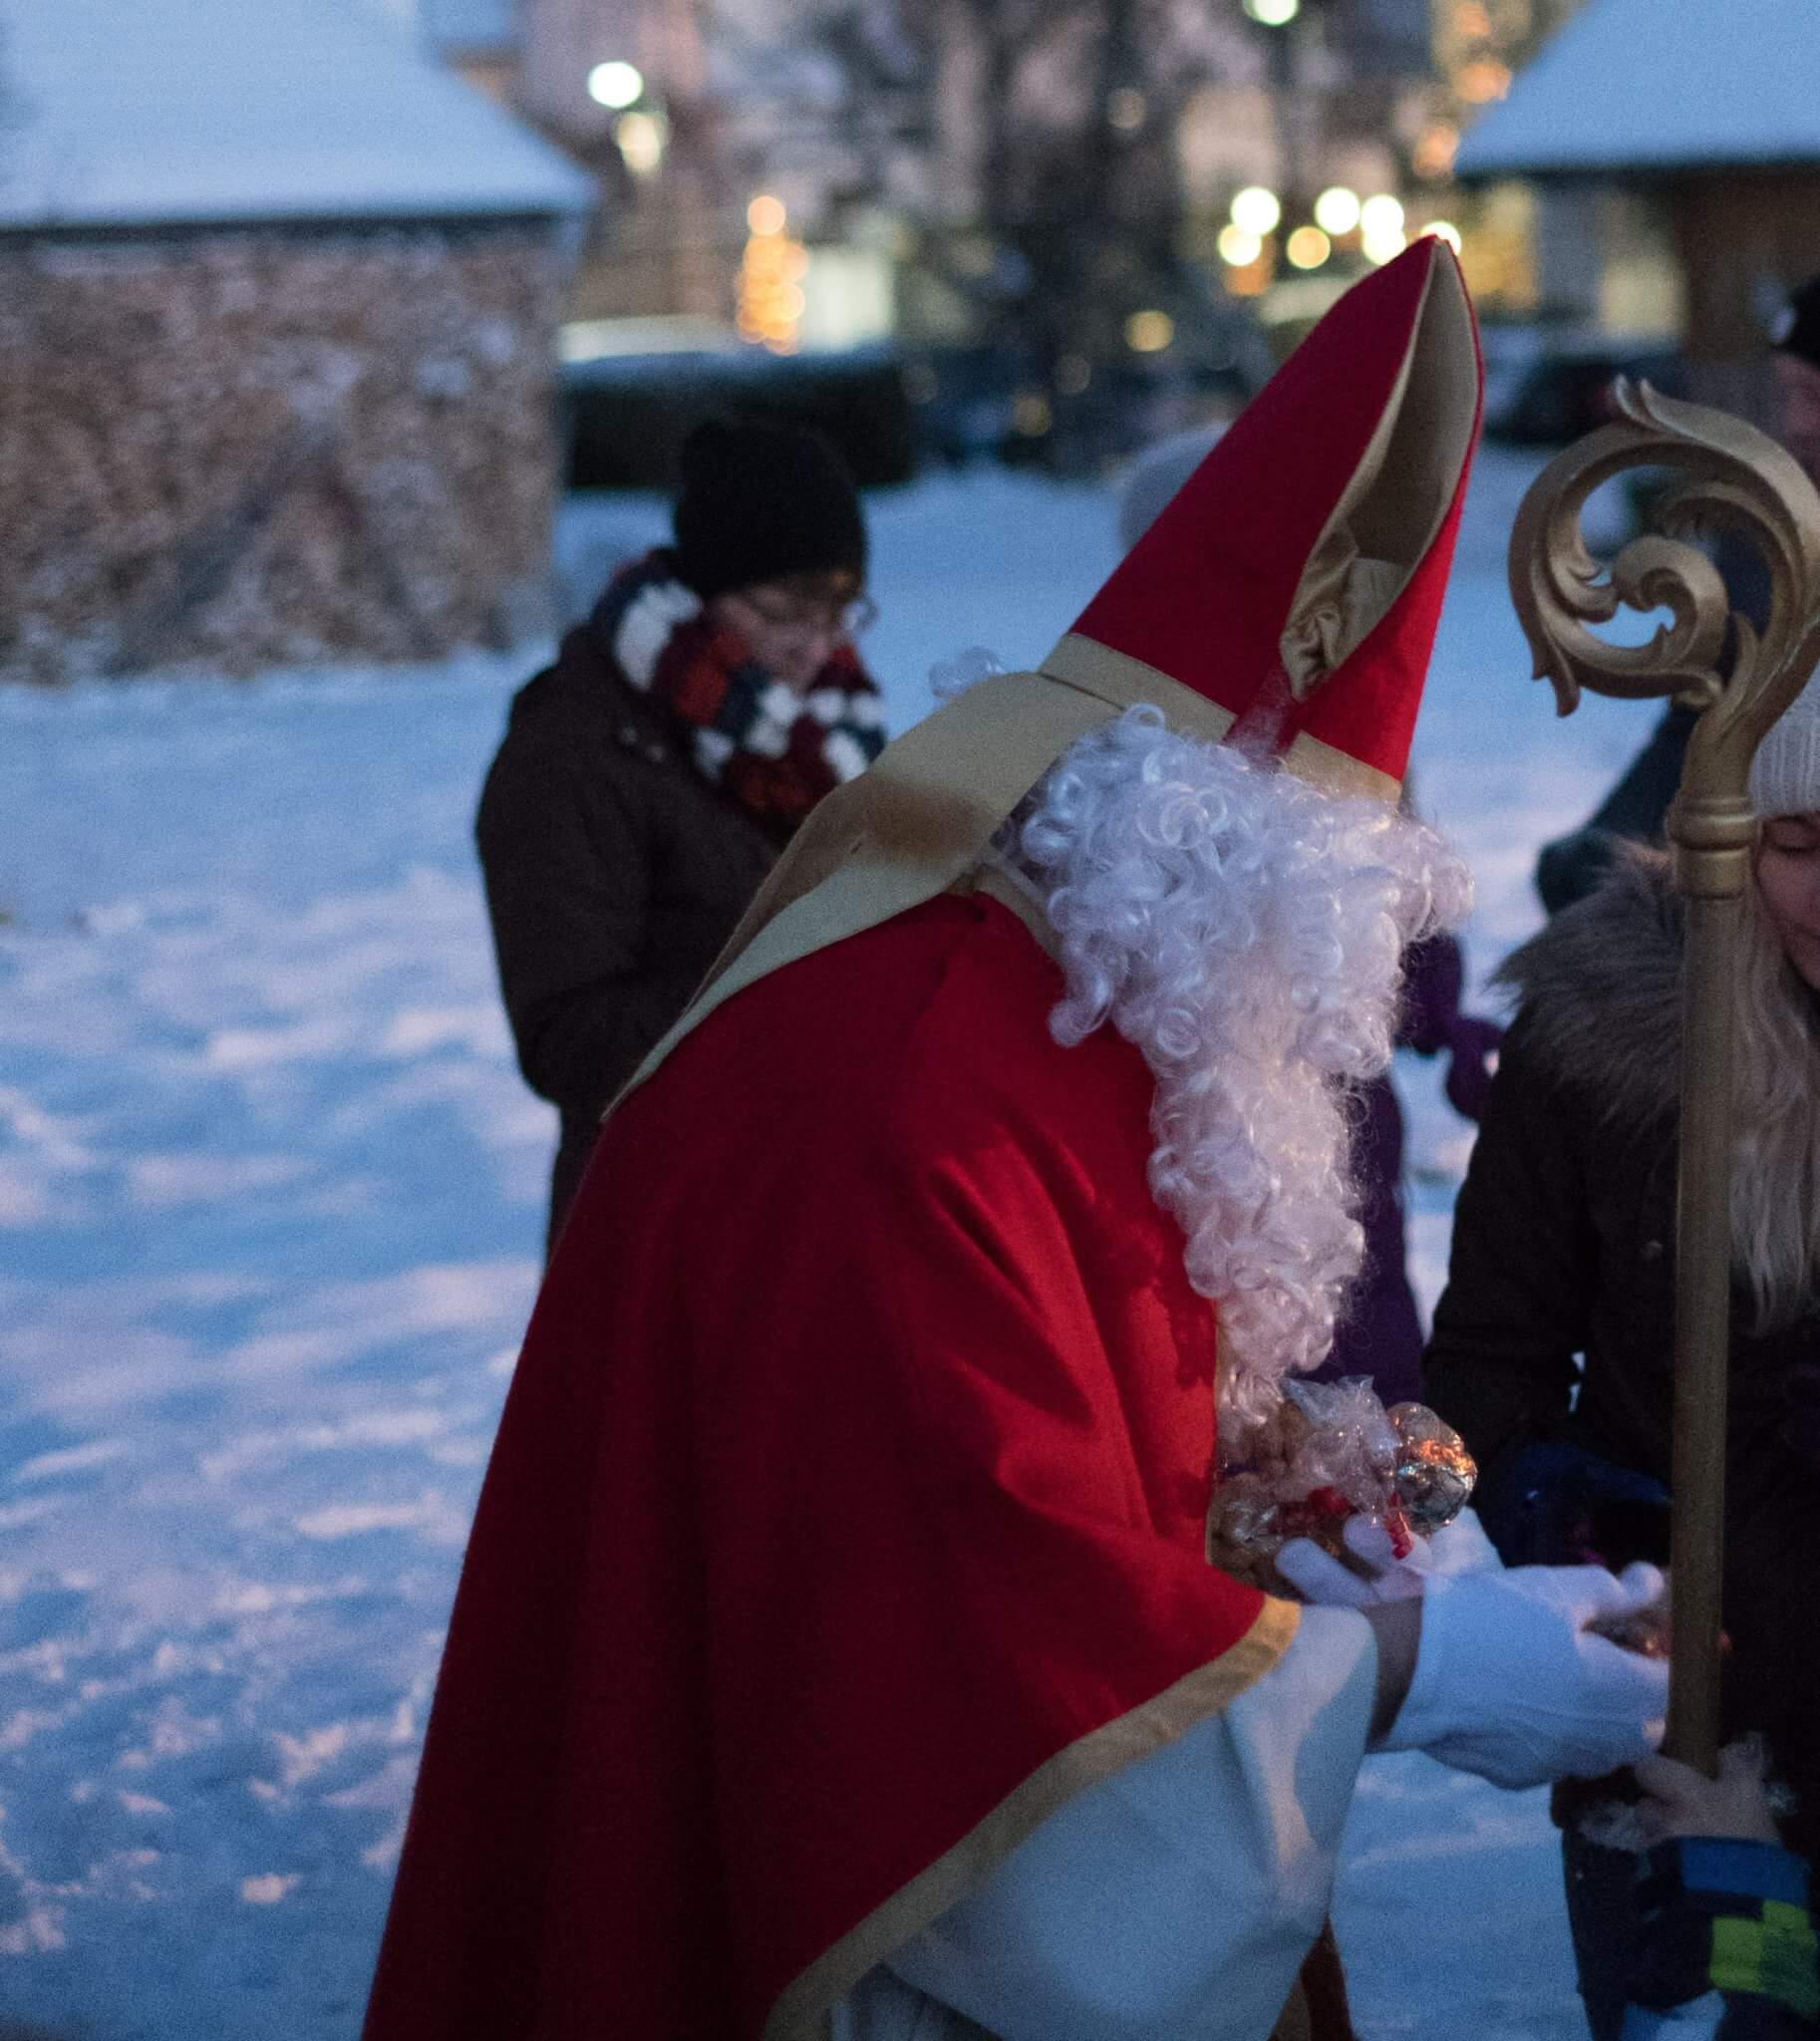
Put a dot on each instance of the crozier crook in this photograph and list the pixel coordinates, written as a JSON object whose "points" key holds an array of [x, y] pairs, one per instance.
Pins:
{"points": [[1729, 477]]}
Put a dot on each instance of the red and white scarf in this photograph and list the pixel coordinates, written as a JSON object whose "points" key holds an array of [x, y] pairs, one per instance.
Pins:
{"points": [[774, 750]]}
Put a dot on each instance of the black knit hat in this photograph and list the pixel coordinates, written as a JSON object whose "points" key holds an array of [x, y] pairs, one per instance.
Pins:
{"points": [[760, 501], [1798, 330]]}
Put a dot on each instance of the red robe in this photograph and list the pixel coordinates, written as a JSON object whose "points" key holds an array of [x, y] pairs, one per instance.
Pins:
{"points": [[845, 1516]]}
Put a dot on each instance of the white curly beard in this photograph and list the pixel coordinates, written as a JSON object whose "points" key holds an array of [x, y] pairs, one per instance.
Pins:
{"points": [[1246, 933]]}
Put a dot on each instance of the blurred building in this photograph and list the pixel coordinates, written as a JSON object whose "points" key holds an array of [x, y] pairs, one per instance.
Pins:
{"points": [[1675, 145], [1093, 218], [1525, 251], [278, 301], [884, 128]]}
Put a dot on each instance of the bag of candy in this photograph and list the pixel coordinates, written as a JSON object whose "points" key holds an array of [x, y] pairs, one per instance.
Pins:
{"points": [[1331, 1452]]}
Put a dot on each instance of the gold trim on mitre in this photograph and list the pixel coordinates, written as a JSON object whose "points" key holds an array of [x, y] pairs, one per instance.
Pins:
{"points": [[1118, 677], [919, 818], [803, 2011], [1398, 497], [1337, 772]]}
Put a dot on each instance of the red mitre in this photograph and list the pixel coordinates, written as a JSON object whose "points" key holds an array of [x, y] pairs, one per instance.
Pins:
{"points": [[1294, 580]]}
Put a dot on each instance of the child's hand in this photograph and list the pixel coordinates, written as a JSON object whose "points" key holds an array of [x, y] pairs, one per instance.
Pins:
{"points": [[1680, 1801]]}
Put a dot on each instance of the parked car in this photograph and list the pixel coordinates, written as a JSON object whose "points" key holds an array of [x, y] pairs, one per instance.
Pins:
{"points": [[626, 416], [1546, 384]]}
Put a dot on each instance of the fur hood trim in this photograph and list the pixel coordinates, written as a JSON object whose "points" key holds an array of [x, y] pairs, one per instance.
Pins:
{"points": [[1600, 990]]}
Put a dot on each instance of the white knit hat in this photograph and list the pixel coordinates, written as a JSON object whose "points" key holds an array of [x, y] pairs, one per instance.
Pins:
{"points": [[1155, 475], [1785, 773]]}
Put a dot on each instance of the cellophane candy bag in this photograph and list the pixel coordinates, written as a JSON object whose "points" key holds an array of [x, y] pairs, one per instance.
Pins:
{"points": [[1328, 1453]]}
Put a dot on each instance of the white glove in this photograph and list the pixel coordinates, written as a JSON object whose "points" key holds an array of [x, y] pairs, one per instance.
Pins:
{"points": [[1318, 1577], [1509, 1683]]}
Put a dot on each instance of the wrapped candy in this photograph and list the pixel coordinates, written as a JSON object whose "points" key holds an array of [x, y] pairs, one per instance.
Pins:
{"points": [[1328, 1453], [1434, 1473]]}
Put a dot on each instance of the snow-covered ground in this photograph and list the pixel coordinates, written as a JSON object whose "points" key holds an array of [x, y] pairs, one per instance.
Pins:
{"points": [[270, 1207]]}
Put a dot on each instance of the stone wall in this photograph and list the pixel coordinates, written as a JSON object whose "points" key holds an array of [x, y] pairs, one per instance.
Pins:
{"points": [[231, 450]]}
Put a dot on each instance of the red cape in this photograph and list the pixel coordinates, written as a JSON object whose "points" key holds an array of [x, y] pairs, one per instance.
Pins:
{"points": [[845, 1516]]}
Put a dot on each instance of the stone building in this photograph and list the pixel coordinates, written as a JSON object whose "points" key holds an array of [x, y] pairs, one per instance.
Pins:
{"points": [[278, 300]]}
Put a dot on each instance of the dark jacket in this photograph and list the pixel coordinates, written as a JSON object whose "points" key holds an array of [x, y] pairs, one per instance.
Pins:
{"points": [[1564, 1245], [614, 874]]}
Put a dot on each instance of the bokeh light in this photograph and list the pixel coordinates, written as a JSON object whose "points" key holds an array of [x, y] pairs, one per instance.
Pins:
{"points": [[1148, 333], [1381, 216], [1336, 210], [641, 142], [1256, 209], [615, 85]]}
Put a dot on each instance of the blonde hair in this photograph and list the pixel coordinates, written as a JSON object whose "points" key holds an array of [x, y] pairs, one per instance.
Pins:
{"points": [[1775, 1171]]}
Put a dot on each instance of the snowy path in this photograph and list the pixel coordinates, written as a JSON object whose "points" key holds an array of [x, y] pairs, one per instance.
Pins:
{"points": [[270, 1200]]}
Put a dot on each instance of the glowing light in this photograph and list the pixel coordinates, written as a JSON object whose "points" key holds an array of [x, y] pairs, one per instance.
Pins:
{"points": [[641, 138], [1308, 248], [616, 84], [1445, 230], [772, 269], [1126, 109], [1239, 249], [1273, 13], [1148, 333], [1255, 209], [1483, 81], [1031, 416], [1382, 216], [1336, 210], [1435, 151], [1385, 247]]}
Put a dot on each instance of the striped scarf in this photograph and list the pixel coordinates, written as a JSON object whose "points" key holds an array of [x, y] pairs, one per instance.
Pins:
{"points": [[774, 750]]}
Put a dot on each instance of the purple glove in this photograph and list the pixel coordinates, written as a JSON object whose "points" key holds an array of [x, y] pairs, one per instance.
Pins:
{"points": [[1472, 1058]]}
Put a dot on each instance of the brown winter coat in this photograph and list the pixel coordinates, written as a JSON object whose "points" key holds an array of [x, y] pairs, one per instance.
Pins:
{"points": [[1564, 1244], [614, 873]]}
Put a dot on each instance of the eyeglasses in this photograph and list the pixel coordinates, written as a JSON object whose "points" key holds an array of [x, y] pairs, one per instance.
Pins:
{"points": [[823, 619]]}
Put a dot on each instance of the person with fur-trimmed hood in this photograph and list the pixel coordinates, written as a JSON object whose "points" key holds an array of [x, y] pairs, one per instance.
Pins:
{"points": [[836, 1653], [649, 778], [1564, 1245]]}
